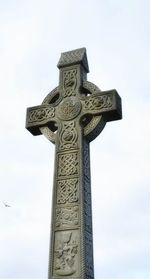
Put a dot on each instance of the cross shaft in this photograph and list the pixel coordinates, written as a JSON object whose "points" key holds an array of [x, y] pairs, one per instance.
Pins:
{"points": [[72, 115]]}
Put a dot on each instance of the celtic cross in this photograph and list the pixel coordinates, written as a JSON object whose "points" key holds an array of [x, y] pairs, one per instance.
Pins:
{"points": [[71, 116]]}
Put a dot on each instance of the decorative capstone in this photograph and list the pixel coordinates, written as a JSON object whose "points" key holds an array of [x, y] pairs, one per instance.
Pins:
{"points": [[73, 57], [71, 116]]}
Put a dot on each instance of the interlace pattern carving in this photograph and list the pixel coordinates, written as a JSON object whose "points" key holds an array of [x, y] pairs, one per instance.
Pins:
{"points": [[67, 191], [68, 136], [41, 114], [66, 253], [68, 164], [69, 82], [67, 216], [97, 103]]}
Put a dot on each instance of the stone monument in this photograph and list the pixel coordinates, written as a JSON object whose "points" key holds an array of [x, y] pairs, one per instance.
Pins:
{"points": [[72, 115]]}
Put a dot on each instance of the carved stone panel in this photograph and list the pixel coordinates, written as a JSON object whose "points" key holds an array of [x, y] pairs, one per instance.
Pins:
{"points": [[69, 82], [68, 164], [98, 103], [40, 114], [66, 257], [67, 191], [67, 216], [68, 135]]}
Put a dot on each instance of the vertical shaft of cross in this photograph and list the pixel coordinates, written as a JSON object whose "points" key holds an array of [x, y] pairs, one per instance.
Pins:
{"points": [[71, 252]]}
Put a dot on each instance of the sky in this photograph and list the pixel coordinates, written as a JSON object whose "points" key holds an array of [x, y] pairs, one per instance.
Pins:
{"points": [[116, 35]]}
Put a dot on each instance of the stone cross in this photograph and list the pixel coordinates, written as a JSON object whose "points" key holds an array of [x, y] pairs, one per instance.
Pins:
{"points": [[72, 115]]}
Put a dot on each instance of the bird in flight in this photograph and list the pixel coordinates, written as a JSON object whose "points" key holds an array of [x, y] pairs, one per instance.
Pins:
{"points": [[6, 205]]}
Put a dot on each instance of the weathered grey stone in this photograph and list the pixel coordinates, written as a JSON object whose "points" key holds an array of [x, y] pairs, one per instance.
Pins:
{"points": [[72, 115]]}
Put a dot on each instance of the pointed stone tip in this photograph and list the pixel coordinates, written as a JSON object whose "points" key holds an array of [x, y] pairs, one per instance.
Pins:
{"points": [[73, 57]]}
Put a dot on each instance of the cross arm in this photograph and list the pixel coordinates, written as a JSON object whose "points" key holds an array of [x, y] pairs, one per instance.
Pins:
{"points": [[38, 117], [106, 103]]}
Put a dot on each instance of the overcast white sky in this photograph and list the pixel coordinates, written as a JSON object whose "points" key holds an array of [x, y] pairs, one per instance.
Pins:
{"points": [[32, 36]]}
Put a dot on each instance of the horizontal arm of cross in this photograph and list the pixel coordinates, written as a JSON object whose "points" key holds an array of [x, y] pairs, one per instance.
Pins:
{"points": [[106, 103], [39, 116]]}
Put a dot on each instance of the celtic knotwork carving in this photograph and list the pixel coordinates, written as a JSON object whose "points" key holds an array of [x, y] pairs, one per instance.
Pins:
{"points": [[67, 216], [68, 164], [66, 253], [69, 82], [69, 108], [99, 102], [40, 114], [67, 191], [68, 136]]}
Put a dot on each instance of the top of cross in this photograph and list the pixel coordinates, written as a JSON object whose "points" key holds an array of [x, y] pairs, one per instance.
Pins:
{"points": [[77, 56]]}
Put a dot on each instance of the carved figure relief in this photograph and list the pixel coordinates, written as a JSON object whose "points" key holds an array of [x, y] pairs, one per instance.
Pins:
{"points": [[97, 103], [67, 216], [40, 114], [68, 136], [68, 164], [69, 108], [66, 253], [67, 191], [69, 82]]}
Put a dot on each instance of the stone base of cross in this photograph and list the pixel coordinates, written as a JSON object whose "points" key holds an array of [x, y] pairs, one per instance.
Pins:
{"points": [[71, 116]]}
